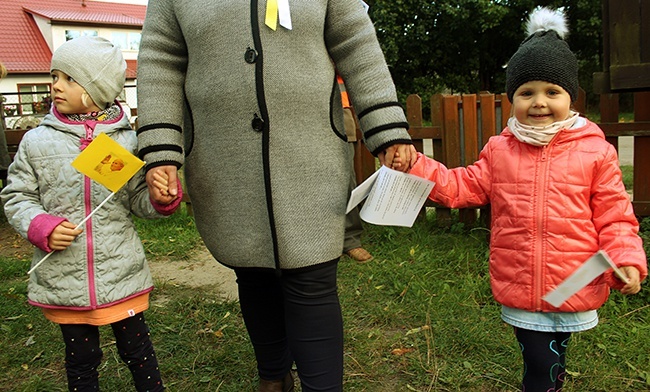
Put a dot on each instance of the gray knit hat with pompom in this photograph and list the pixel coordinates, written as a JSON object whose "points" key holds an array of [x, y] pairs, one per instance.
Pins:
{"points": [[95, 64], [544, 55]]}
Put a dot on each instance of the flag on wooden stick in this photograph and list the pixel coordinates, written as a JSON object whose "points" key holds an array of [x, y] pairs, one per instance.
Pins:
{"points": [[107, 162]]}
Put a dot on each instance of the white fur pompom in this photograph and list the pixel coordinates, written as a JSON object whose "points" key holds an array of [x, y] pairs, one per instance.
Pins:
{"points": [[543, 19]]}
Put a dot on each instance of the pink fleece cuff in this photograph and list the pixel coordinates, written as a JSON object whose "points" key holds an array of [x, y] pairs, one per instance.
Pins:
{"points": [[168, 209], [40, 229]]}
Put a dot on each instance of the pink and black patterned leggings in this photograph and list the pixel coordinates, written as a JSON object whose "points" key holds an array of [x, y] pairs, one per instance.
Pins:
{"points": [[544, 356]]}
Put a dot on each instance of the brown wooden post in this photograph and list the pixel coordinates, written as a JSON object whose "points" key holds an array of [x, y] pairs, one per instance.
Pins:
{"points": [[470, 128], [437, 121], [609, 113], [451, 131], [488, 129], [443, 214], [470, 146], [506, 108], [488, 117], [414, 117], [580, 105], [642, 157]]}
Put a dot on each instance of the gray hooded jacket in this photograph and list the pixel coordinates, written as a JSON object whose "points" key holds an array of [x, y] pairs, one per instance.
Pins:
{"points": [[255, 115], [106, 263]]}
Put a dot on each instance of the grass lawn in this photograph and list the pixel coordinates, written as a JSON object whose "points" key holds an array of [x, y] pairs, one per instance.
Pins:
{"points": [[419, 317]]}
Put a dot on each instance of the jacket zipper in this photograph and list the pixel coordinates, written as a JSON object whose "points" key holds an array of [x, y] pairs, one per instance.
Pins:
{"points": [[261, 101], [539, 239], [90, 265]]}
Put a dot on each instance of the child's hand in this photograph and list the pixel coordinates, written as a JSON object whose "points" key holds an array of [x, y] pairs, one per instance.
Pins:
{"points": [[404, 163], [63, 235], [634, 285], [158, 180], [161, 181]]}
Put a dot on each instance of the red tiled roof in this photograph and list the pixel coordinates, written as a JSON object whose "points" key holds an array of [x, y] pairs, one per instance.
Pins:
{"points": [[86, 17], [22, 46]]}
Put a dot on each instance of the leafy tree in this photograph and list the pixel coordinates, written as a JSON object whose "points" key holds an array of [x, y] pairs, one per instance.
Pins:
{"points": [[462, 46]]}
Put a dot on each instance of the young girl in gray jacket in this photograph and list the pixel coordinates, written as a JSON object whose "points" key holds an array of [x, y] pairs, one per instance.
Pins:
{"points": [[98, 274]]}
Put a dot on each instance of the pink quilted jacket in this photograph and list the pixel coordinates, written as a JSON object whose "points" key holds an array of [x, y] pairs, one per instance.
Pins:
{"points": [[552, 208]]}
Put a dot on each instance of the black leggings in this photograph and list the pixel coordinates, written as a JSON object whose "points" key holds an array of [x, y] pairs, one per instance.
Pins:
{"points": [[83, 354], [296, 316], [544, 356]]}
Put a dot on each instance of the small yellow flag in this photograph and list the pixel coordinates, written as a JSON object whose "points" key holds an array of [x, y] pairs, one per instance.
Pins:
{"points": [[271, 19], [107, 162]]}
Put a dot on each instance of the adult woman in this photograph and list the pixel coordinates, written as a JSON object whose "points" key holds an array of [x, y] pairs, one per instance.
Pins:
{"points": [[256, 110]]}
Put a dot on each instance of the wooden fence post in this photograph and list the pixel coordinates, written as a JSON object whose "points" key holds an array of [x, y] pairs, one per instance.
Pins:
{"points": [[609, 113], [470, 146], [488, 129], [641, 156], [414, 117], [443, 214]]}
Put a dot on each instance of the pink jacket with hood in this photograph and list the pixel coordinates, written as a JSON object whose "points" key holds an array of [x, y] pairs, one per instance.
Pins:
{"points": [[552, 208]]}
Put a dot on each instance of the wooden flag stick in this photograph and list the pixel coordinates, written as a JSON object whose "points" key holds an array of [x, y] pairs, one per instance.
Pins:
{"points": [[78, 226]]}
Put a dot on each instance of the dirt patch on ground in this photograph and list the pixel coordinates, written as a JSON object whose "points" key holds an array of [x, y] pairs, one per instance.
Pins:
{"points": [[201, 271], [13, 245]]}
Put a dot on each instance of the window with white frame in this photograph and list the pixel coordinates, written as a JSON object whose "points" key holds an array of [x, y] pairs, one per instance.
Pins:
{"points": [[72, 34], [126, 41], [34, 98]]}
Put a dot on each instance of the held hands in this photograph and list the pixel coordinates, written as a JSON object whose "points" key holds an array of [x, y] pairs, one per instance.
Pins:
{"points": [[634, 285], [399, 157], [63, 235], [162, 184]]}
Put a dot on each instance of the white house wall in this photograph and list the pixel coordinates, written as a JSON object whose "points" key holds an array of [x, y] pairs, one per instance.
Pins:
{"points": [[45, 28], [58, 32]]}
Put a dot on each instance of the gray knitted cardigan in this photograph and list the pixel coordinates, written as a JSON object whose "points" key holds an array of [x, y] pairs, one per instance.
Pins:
{"points": [[255, 117]]}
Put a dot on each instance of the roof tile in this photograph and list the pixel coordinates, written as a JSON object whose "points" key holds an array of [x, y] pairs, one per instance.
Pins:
{"points": [[22, 46]]}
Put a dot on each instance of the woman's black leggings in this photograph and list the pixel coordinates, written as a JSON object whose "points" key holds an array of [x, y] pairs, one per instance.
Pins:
{"points": [[544, 356], [295, 317], [83, 354]]}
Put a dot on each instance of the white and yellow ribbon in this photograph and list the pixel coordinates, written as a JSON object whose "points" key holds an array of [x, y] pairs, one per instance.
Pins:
{"points": [[275, 7]]}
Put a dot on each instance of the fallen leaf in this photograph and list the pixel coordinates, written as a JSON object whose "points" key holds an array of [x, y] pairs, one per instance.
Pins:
{"points": [[418, 329], [401, 351]]}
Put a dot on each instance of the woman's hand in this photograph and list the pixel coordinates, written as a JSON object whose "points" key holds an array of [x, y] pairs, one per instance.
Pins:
{"points": [[399, 157]]}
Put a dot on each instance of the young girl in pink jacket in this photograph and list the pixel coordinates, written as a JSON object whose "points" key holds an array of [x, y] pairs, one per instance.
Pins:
{"points": [[557, 197]]}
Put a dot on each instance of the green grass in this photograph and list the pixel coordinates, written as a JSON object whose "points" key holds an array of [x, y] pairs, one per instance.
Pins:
{"points": [[622, 117], [419, 317], [628, 176]]}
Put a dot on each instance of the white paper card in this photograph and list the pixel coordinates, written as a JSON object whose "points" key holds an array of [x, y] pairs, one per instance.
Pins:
{"points": [[587, 272], [392, 198]]}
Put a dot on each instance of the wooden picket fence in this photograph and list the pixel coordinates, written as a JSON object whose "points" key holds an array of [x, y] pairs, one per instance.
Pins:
{"points": [[462, 124]]}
